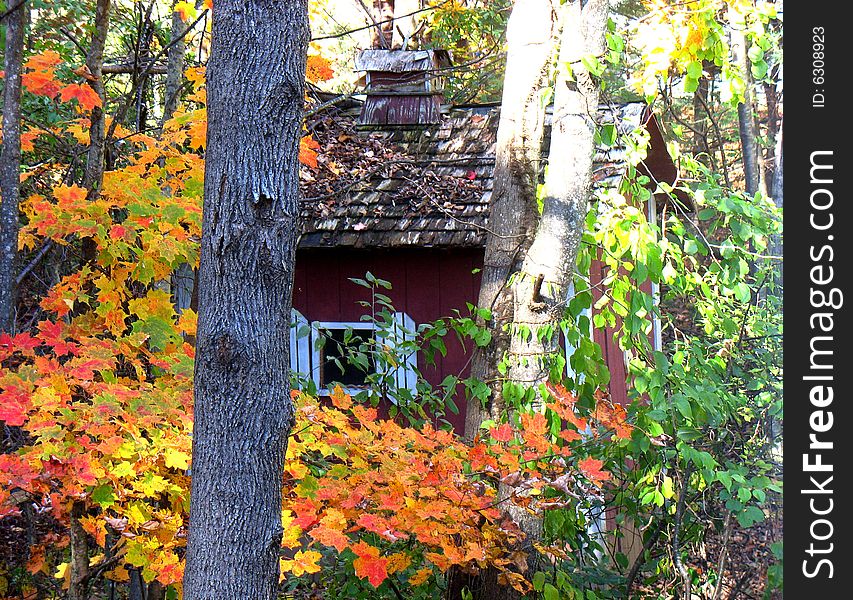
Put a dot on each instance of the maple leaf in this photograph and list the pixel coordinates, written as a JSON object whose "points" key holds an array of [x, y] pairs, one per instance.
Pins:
{"points": [[613, 416], [37, 560], [176, 459], [503, 433], [12, 413], [570, 435], [27, 139], [307, 151], [84, 94], [330, 537], [368, 564], [302, 563], [591, 467], [535, 424], [69, 196], [43, 61], [340, 398], [41, 83], [420, 576], [377, 525]]}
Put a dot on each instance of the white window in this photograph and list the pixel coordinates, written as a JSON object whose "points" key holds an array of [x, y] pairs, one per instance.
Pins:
{"points": [[324, 364]]}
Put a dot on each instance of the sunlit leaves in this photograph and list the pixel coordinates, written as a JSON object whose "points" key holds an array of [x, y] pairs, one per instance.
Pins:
{"points": [[318, 69], [303, 562], [369, 564], [82, 93], [678, 39]]}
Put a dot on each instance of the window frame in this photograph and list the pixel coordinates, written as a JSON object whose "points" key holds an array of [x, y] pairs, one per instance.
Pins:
{"points": [[305, 357]]}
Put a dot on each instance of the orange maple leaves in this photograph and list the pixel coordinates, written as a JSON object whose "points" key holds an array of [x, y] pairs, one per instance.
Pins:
{"points": [[40, 78], [371, 487]]}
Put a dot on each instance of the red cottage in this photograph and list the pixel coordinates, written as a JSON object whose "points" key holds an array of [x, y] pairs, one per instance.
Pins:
{"points": [[410, 205]]}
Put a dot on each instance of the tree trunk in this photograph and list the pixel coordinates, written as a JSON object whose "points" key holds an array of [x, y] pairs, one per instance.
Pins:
{"points": [[10, 164], [174, 69], [79, 564], [547, 259], [94, 174], [383, 33], [541, 287], [539, 293], [243, 410], [512, 212], [747, 126]]}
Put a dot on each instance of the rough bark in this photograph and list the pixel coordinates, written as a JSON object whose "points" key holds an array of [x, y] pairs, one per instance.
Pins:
{"points": [[10, 163], [243, 411], [512, 212], [94, 174]]}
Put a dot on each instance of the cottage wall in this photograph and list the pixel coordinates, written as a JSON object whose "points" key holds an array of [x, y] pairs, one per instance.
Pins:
{"points": [[426, 284]]}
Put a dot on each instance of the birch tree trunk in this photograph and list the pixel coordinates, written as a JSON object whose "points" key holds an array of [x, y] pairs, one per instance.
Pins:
{"points": [[539, 292], [542, 263], [243, 410], [10, 164], [531, 36]]}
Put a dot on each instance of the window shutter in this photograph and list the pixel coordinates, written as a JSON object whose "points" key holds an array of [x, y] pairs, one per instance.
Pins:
{"points": [[657, 335], [404, 331], [300, 347]]}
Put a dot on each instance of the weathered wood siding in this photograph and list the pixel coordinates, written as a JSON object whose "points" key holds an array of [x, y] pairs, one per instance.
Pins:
{"points": [[395, 109]]}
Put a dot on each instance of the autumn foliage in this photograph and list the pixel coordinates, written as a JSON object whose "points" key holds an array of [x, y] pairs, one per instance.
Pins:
{"points": [[103, 391]]}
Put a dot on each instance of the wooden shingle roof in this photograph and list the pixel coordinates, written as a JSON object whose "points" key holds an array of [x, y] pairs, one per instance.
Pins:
{"points": [[429, 187]]}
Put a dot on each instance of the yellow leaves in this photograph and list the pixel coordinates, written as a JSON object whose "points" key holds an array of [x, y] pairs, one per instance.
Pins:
{"points": [[186, 10], [197, 129], [420, 576], [175, 459], [303, 562], [69, 196], [399, 561]]}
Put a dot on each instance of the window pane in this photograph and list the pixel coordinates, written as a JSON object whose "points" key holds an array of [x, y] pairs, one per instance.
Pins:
{"points": [[344, 371]]}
